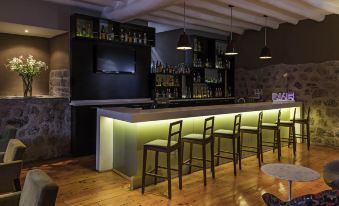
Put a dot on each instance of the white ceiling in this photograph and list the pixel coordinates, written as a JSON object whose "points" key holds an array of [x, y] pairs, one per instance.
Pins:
{"points": [[212, 15], [19, 29]]}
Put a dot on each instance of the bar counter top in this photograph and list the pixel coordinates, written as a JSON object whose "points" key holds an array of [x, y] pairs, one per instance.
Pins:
{"points": [[134, 115]]}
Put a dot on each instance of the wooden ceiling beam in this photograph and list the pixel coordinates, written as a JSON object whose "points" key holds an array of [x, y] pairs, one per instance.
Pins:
{"points": [[324, 5]]}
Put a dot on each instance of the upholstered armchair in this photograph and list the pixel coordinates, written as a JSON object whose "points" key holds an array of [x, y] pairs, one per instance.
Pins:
{"points": [[39, 190], [10, 166], [327, 197], [331, 174], [8, 133]]}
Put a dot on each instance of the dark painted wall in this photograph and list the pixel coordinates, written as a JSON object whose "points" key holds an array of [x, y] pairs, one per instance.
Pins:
{"points": [[86, 84], [166, 43], [308, 41], [15, 46]]}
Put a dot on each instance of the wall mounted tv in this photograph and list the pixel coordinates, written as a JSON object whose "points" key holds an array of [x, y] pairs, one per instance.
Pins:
{"points": [[113, 59]]}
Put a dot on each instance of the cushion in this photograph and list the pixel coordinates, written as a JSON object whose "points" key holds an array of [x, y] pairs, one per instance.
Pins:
{"points": [[39, 190], [9, 133], [15, 151], [160, 143], [224, 132], [269, 124], [195, 136], [248, 128]]}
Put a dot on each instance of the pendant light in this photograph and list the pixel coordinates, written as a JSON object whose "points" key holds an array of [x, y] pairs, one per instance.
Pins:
{"points": [[230, 49], [184, 42], [265, 52]]}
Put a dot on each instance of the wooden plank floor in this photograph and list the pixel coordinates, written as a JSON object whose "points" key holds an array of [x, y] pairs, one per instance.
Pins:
{"points": [[80, 184]]}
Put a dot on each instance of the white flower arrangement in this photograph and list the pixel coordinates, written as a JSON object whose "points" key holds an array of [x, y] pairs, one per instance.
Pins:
{"points": [[27, 69]]}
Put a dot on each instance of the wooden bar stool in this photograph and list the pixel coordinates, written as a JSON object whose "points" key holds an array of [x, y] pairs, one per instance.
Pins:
{"points": [[276, 137], [165, 146], [291, 132], [201, 139], [234, 136], [257, 130], [304, 121]]}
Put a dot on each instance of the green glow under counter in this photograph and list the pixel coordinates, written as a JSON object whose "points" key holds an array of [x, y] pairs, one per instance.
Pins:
{"points": [[122, 132]]}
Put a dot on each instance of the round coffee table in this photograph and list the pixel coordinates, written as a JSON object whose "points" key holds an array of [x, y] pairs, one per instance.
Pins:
{"points": [[291, 173]]}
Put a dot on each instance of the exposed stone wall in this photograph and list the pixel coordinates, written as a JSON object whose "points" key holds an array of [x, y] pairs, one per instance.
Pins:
{"points": [[43, 125], [314, 84], [59, 83]]}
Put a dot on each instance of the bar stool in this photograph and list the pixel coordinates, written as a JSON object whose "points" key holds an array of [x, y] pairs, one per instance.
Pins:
{"points": [[291, 131], [234, 136], [257, 130], [165, 146], [276, 138], [203, 140], [304, 121]]}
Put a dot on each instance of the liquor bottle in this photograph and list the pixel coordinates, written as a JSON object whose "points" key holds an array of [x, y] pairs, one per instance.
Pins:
{"points": [[83, 31], [122, 36], [110, 36], [130, 38], [126, 37], [140, 39], [103, 32], [145, 39], [135, 39]]}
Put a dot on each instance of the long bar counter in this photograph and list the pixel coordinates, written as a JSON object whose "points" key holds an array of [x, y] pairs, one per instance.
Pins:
{"points": [[122, 131]]}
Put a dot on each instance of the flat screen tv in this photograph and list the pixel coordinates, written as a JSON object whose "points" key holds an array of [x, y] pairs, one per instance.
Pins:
{"points": [[113, 59]]}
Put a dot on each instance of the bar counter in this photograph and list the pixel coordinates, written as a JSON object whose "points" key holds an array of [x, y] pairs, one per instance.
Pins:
{"points": [[122, 131]]}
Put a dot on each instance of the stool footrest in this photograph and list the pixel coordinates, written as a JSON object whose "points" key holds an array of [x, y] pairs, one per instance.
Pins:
{"points": [[162, 167], [201, 159], [249, 147], [155, 175], [229, 158], [192, 165], [227, 152], [249, 151]]}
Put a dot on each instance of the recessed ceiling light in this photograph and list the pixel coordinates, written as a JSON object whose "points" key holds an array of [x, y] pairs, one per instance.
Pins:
{"points": [[26, 31]]}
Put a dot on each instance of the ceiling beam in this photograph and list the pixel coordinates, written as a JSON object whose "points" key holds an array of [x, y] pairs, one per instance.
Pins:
{"points": [[212, 18], [75, 3], [324, 5], [296, 8], [179, 18], [250, 6], [225, 10], [135, 9], [180, 25]]}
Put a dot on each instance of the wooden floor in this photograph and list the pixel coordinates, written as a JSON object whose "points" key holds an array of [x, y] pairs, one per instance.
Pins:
{"points": [[80, 184]]}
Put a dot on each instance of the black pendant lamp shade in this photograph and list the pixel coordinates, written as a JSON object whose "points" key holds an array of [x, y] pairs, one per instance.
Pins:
{"points": [[265, 52], [184, 42], [231, 47]]}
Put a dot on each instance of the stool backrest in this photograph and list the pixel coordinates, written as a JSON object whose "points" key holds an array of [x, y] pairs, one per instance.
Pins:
{"points": [[308, 114], [208, 126], [260, 121], [237, 122], [278, 119], [172, 133], [294, 112]]}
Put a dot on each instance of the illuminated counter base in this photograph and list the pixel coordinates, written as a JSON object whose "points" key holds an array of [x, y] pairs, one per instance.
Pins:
{"points": [[122, 132]]}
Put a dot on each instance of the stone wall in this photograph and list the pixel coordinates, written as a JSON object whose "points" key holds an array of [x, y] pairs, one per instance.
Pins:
{"points": [[315, 84], [43, 125], [59, 83]]}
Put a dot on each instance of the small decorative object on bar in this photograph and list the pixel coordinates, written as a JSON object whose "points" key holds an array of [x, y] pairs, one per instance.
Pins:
{"points": [[285, 76], [265, 52], [184, 43], [27, 69], [231, 49]]}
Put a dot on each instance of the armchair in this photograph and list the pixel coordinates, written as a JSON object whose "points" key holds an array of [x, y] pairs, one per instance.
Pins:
{"points": [[331, 174], [9, 133], [10, 166], [39, 190]]}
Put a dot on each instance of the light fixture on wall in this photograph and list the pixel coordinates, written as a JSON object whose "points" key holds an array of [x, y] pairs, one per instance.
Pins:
{"points": [[184, 42], [265, 52], [231, 47], [26, 31]]}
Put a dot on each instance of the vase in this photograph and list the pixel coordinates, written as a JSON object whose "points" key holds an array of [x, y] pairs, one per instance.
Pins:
{"points": [[27, 85]]}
